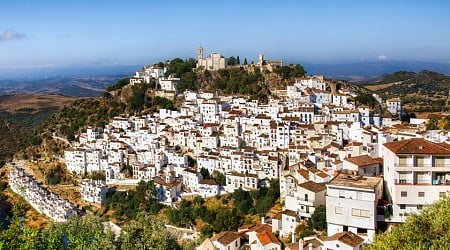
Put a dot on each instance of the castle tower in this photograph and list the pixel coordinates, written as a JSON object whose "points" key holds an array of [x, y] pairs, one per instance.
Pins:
{"points": [[199, 56], [261, 59]]}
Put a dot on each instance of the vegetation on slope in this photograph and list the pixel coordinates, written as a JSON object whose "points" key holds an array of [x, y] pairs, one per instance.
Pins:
{"points": [[425, 91], [228, 213], [428, 230], [146, 232], [14, 138]]}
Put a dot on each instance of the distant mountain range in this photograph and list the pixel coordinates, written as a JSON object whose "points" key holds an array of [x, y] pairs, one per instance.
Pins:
{"points": [[35, 73], [367, 71], [67, 86]]}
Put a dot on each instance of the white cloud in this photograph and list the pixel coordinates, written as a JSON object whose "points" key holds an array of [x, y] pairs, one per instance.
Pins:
{"points": [[382, 57], [9, 35]]}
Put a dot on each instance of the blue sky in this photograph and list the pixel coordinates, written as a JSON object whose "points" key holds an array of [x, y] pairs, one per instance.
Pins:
{"points": [[47, 33]]}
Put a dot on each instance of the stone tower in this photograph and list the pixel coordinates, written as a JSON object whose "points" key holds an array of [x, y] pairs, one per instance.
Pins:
{"points": [[199, 56], [261, 59]]}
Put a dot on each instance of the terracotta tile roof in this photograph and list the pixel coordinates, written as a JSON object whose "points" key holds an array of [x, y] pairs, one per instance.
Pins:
{"points": [[363, 160], [208, 182], [313, 186], [347, 238], [267, 237], [322, 174], [289, 213], [417, 146], [225, 238], [304, 173]]}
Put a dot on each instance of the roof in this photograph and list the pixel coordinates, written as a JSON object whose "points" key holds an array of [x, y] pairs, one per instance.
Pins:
{"points": [[347, 238], [225, 238], [207, 245], [267, 237], [313, 186], [417, 146], [289, 213], [364, 160], [346, 180], [208, 182]]}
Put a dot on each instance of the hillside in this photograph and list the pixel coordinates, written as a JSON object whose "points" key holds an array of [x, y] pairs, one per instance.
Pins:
{"points": [[13, 138], [425, 91], [29, 110], [67, 86]]}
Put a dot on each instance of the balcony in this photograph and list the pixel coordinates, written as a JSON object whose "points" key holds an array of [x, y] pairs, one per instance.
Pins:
{"points": [[423, 182], [421, 167]]}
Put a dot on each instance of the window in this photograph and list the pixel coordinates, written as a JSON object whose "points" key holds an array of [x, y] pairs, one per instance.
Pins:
{"points": [[402, 206], [360, 212], [419, 207], [341, 194], [337, 210], [404, 194], [421, 194]]}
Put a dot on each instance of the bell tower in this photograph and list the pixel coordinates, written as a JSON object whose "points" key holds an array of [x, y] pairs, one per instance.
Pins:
{"points": [[199, 56]]}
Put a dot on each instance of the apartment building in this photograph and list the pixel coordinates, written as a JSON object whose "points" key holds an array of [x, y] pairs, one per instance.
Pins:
{"points": [[417, 174], [352, 203]]}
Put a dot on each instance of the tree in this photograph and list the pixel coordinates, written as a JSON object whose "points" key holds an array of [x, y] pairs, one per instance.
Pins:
{"points": [[242, 201], [427, 230], [319, 219], [148, 232], [238, 61], [220, 178], [205, 173], [245, 61], [232, 61]]}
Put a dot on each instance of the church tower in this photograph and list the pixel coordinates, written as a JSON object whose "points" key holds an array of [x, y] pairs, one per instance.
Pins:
{"points": [[199, 56]]}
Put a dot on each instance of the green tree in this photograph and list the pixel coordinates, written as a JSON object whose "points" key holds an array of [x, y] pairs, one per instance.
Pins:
{"points": [[245, 61], [427, 230], [147, 232], [232, 61], [242, 201], [319, 219], [205, 173], [219, 178]]}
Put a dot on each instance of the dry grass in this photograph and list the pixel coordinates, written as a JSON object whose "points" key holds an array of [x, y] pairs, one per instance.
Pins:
{"points": [[380, 86], [14, 103]]}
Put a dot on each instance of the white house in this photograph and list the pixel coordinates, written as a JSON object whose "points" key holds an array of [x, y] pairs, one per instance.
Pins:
{"points": [[363, 165], [352, 204], [394, 106], [416, 175], [208, 188], [93, 191], [226, 240]]}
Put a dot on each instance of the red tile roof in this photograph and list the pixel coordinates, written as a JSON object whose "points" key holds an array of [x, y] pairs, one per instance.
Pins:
{"points": [[313, 186], [347, 238], [363, 160], [267, 237], [417, 146]]}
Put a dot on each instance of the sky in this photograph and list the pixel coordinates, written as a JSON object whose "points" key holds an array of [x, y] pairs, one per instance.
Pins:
{"points": [[78, 33]]}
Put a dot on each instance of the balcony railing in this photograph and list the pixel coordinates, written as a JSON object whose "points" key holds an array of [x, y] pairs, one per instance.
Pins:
{"points": [[422, 165], [423, 182]]}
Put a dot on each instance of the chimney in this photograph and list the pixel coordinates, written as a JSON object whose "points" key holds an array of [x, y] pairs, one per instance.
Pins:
{"points": [[293, 237], [263, 220], [310, 246], [300, 244]]}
